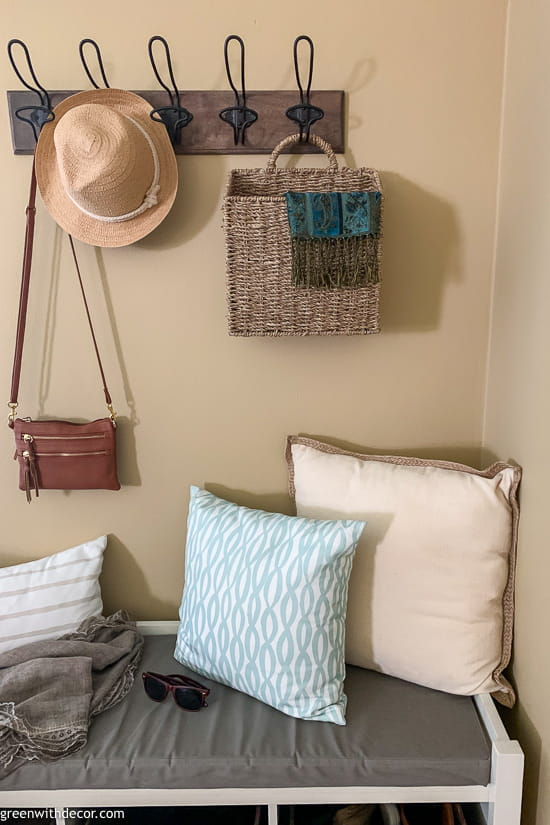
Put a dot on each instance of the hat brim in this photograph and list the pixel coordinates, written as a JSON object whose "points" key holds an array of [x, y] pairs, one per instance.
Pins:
{"points": [[66, 213]]}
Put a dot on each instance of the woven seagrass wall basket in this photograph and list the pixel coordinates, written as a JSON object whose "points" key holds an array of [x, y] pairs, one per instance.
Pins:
{"points": [[279, 284]]}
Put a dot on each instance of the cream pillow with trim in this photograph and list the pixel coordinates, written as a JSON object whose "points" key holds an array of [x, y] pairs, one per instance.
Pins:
{"points": [[46, 598], [432, 586]]}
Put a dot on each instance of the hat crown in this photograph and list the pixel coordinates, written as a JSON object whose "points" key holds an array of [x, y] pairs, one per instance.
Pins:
{"points": [[109, 175], [104, 159]]}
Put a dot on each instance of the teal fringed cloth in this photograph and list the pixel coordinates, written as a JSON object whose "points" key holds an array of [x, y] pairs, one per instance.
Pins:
{"points": [[335, 238], [333, 214]]}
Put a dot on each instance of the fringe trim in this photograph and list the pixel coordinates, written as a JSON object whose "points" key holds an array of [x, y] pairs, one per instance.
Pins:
{"points": [[19, 740], [336, 262]]}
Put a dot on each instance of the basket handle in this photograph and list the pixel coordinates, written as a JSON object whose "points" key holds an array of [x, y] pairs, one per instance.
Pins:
{"points": [[288, 141]]}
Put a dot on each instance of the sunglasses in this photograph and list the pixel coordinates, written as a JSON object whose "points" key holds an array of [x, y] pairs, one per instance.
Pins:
{"points": [[188, 694]]}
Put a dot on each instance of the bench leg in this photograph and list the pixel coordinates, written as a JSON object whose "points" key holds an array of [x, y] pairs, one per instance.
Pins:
{"points": [[504, 808], [272, 815]]}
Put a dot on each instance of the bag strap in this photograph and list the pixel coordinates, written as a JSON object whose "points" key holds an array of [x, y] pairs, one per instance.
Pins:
{"points": [[23, 303], [23, 299], [103, 379]]}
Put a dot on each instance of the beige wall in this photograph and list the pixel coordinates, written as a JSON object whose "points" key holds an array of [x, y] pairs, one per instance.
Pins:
{"points": [[424, 89], [518, 401]]}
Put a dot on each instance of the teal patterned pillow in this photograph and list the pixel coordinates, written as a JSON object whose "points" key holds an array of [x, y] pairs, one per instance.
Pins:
{"points": [[264, 604]]}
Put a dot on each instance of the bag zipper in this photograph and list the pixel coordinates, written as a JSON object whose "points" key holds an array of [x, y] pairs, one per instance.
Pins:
{"points": [[28, 437], [95, 452]]}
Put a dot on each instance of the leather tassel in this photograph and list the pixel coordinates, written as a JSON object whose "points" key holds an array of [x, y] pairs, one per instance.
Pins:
{"points": [[31, 474], [27, 476], [34, 474]]}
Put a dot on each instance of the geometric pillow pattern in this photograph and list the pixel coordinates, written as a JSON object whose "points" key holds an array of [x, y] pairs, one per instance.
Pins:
{"points": [[264, 604], [49, 597]]}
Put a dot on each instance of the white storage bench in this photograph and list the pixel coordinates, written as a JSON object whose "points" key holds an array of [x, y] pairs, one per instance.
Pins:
{"points": [[402, 743]]}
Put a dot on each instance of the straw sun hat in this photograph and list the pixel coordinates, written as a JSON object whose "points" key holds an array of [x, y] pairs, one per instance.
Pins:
{"points": [[107, 173]]}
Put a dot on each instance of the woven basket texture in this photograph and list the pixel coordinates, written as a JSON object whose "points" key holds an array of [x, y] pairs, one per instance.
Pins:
{"points": [[262, 298]]}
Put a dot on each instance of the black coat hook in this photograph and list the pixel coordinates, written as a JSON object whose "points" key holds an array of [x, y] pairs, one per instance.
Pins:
{"points": [[99, 61], [304, 113], [239, 116], [42, 113], [175, 117]]}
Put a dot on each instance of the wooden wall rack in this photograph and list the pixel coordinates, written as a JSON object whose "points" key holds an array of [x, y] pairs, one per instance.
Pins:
{"points": [[207, 134]]}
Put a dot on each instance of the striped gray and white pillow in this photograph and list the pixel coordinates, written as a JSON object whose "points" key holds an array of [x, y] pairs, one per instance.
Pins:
{"points": [[46, 598]]}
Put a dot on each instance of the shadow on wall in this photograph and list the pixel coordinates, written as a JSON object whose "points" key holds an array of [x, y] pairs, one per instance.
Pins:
{"points": [[271, 502], [420, 254], [126, 453], [120, 567], [201, 181], [468, 455], [421, 238], [489, 457]]}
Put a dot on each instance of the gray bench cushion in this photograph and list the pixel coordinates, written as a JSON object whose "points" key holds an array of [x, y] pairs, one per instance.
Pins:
{"points": [[397, 733]]}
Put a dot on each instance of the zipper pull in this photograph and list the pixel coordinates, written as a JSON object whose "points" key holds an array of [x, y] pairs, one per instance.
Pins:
{"points": [[28, 439], [31, 475]]}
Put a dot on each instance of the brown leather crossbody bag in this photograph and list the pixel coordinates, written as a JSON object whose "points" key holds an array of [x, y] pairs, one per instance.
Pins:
{"points": [[59, 455]]}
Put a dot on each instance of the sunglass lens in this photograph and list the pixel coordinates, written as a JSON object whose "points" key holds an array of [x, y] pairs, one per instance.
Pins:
{"points": [[188, 698], [154, 689]]}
